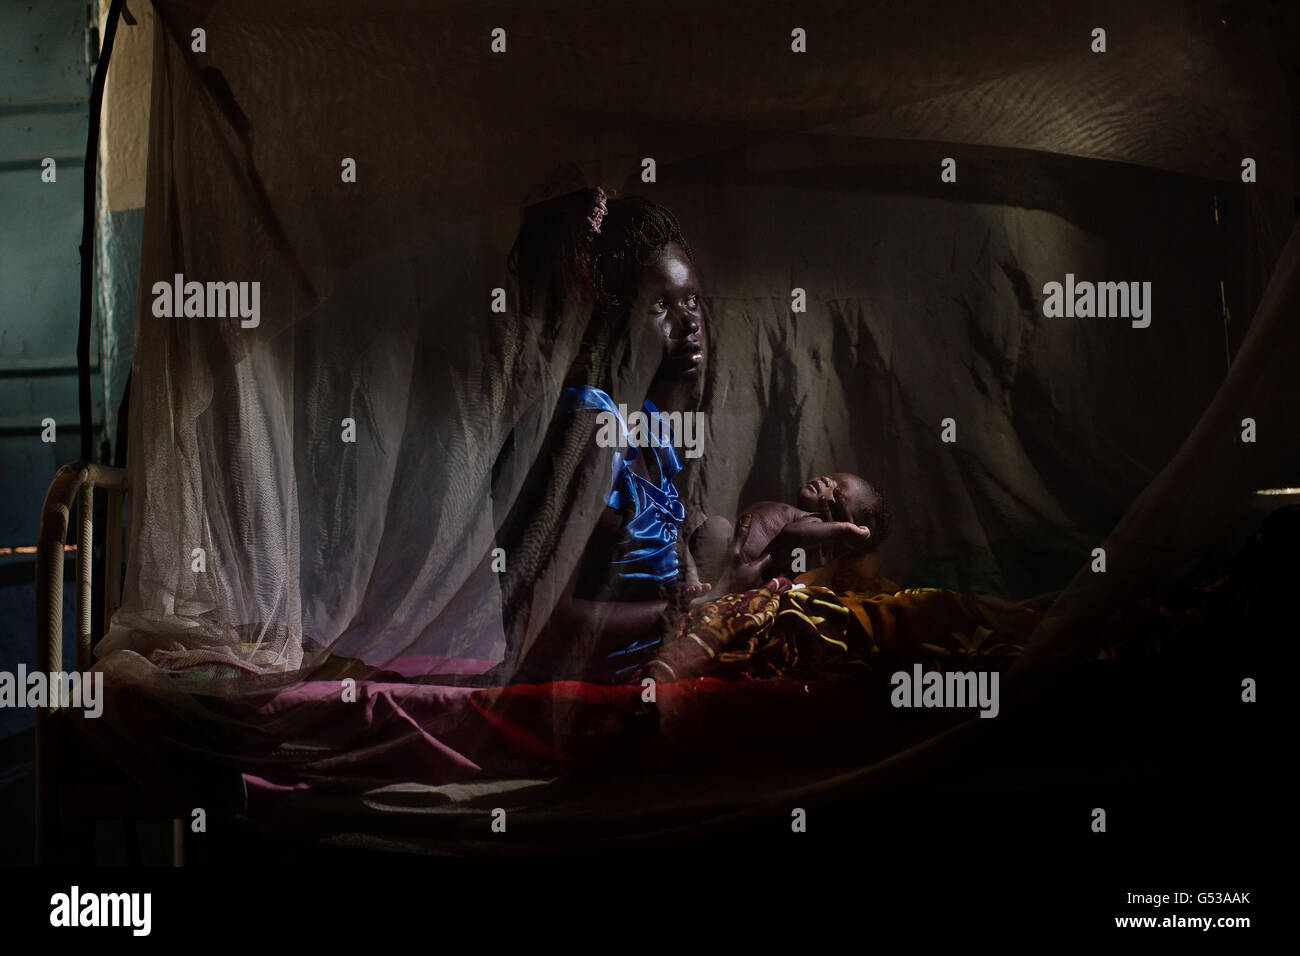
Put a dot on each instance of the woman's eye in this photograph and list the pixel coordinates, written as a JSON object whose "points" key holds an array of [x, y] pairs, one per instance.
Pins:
{"points": [[693, 301], [660, 305]]}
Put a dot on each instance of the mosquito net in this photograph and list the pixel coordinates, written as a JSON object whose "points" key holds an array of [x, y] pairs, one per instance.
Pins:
{"points": [[373, 470]]}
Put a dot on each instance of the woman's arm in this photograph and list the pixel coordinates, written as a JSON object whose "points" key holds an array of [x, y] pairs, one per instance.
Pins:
{"points": [[581, 628]]}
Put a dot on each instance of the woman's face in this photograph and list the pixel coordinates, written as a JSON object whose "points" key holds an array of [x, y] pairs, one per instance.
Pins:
{"points": [[669, 296]]}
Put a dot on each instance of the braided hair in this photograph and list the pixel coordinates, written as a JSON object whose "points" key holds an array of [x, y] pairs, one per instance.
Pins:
{"points": [[635, 231], [552, 256], [585, 244]]}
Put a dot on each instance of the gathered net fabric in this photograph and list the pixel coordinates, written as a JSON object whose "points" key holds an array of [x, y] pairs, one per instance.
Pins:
{"points": [[380, 471], [376, 320]]}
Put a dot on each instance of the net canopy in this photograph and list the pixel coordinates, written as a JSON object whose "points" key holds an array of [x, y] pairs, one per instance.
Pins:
{"points": [[377, 468]]}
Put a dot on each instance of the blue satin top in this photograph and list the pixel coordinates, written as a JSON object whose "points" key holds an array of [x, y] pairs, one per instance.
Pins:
{"points": [[645, 556]]}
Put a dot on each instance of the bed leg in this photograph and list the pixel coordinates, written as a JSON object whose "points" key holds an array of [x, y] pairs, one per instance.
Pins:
{"points": [[70, 482], [178, 842]]}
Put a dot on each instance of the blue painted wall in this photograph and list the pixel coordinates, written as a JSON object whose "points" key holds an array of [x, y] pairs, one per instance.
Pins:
{"points": [[44, 93]]}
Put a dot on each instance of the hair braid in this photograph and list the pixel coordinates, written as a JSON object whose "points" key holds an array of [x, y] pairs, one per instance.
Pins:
{"points": [[635, 231]]}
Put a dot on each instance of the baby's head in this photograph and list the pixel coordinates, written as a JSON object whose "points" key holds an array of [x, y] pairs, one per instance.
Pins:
{"points": [[867, 506]]}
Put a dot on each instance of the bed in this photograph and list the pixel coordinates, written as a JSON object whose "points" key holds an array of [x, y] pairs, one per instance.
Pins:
{"points": [[578, 767], [337, 489]]}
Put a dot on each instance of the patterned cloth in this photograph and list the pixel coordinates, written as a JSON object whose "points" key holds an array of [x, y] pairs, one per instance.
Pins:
{"points": [[867, 626], [787, 630]]}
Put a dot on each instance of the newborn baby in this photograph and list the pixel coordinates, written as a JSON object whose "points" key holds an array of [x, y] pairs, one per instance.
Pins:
{"points": [[835, 514]]}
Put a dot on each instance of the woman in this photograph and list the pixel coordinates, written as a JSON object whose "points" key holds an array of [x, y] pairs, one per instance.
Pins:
{"points": [[631, 580]]}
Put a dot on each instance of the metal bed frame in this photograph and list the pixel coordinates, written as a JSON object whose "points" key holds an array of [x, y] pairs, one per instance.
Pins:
{"points": [[64, 806]]}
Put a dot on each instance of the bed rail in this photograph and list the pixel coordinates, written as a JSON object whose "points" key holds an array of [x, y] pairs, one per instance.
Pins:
{"points": [[74, 483]]}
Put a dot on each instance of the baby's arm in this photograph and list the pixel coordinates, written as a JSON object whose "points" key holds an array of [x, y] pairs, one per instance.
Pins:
{"points": [[767, 520], [819, 540]]}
